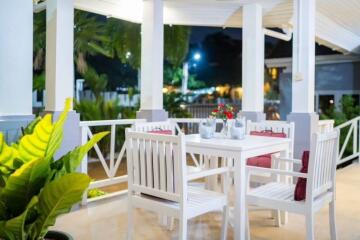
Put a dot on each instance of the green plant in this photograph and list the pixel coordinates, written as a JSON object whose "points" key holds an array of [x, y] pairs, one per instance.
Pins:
{"points": [[39, 82], [173, 103], [96, 82], [35, 189], [91, 110], [174, 75], [349, 109]]}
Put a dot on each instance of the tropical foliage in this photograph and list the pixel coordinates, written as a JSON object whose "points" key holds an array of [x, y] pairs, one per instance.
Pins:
{"points": [[35, 189], [349, 109], [174, 75], [173, 103]]}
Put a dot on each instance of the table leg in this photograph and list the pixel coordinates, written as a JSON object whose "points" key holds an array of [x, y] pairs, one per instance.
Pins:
{"points": [[214, 162], [240, 199]]}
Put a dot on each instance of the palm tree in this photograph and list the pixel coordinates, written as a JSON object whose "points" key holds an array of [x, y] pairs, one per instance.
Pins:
{"points": [[176, 44], [89, 39], [126, 42], [39, 40]]}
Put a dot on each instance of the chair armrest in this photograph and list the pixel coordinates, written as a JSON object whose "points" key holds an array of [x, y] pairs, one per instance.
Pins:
{"points": [[207, 173], [290, 160], [275, 171]]}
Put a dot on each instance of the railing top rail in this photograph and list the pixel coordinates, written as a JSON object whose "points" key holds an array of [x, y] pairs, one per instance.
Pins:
{"points": [[345, 124], [326, 122], [110, 122]]}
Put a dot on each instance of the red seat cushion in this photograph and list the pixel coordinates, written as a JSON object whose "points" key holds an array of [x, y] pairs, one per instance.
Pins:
{"points": [[300, 188], [263, 160], [164, 132], [260, 161]]}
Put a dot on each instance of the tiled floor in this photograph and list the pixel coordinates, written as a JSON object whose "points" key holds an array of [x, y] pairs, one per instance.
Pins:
{"points": [[107, 220]]}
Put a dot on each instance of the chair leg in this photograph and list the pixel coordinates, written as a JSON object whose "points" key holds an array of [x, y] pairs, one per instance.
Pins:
{"points": [[332, 220], [224, 226], [309, 225], [183, 228], [170, 223], [130, 231], [284, 217], [247, 223], [276, 214]]}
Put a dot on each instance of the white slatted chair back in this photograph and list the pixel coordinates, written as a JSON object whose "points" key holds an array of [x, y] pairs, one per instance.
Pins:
{"points": [[287, 128], [156, 126], [156, 165], [322, 164]]}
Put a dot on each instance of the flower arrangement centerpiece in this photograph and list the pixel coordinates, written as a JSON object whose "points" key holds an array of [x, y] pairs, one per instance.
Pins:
{"points": [[225, 112]]}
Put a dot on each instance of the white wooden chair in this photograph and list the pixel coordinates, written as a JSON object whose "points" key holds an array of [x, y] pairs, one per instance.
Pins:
{"points": [[158, 181], [320, 187], [288, 128]]}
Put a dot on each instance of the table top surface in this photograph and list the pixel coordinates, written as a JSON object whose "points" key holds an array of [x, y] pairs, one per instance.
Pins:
{"points": [[248, 143]]}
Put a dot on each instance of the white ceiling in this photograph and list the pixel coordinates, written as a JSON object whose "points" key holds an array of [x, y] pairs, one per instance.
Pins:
{"points": [[337, 21]]}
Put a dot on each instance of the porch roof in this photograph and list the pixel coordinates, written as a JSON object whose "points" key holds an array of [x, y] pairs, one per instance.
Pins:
{"points": [[337, 24]]}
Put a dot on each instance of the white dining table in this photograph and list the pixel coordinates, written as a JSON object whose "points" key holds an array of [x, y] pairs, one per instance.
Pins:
{"points": [[240, 151]]}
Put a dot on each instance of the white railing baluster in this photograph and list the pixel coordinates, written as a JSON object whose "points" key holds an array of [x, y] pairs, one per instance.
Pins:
{"points": [[112, 150], [353, 133]]}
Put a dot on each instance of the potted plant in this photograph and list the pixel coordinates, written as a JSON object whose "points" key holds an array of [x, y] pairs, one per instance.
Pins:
{"points": [[34, 188]]}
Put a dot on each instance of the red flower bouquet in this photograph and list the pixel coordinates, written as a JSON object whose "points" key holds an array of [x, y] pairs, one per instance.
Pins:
{"points": [[224, 112]]}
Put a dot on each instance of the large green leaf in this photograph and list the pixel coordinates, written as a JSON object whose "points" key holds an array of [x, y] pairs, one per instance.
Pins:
{"points": [[57, 198], [7, 156], [14, 227], [45, 139], [23, 184], [57, 133], [29, 129], [74, 158]]}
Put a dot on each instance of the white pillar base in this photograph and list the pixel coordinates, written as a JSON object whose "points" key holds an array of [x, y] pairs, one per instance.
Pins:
{"points": [[11, 126], [153, 115], [305, 125]]}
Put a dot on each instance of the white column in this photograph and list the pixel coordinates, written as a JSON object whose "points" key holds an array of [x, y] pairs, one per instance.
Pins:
{"points": [[303, 86], [152, 60], [59, 53], [253, 60], [16, 58], [303, 74], [152, 55]]}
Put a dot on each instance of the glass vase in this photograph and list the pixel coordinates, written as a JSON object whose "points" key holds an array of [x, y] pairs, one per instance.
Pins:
{"points": [[225, 129]]}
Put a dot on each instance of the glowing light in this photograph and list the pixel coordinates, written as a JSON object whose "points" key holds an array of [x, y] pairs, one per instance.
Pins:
{"points": [[128, 55], [165, 90], [197, 56]]}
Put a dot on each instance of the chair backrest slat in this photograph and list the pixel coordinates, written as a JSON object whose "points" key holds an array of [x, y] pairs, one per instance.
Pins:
{"points": [[149, 164], [322, 163], [156, 163], [288, 128]]}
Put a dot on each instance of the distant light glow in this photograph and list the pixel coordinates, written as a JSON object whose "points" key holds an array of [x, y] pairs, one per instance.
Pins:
{"points": [[197, 56], [128, 55]]}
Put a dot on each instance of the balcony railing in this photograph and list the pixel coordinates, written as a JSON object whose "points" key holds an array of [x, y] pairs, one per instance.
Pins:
{"points": [[349, 143], [107, 156]]}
